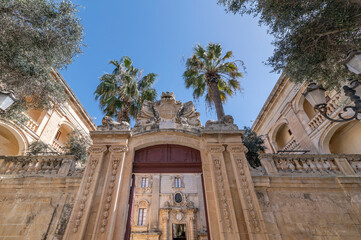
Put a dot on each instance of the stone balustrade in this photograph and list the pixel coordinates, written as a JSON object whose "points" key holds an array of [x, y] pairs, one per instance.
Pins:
{"points": [[291, 145], [30, 123], [58, 165], [58, 146], [324, 164], [332, 106]]}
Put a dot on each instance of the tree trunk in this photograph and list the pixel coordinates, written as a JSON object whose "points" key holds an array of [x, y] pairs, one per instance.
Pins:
{"points": [[216, 97]]}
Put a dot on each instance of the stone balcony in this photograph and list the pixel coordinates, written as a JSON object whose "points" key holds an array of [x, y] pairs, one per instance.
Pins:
{"points": [[58, 165], [332, 106]]}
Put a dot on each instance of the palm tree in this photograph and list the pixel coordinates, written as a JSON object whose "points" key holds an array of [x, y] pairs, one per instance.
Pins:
{"points": [[210, 73], [122, 92]]}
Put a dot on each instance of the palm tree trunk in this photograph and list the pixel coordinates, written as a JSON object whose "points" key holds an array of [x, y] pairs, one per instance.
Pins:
{"points": [[216, 97]]}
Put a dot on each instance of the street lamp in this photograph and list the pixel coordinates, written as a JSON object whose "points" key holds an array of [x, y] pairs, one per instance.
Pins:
{"points": [[6, 99], [315, 94]]}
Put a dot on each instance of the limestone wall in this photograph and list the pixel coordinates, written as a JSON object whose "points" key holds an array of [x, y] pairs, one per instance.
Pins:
{"points": [[307, 197], [36, 203]]}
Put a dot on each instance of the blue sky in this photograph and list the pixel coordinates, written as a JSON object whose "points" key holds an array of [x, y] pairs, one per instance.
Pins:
{"points": [[158, 35]]}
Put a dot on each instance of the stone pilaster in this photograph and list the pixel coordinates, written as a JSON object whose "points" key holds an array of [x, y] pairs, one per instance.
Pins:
{"points": [[164, 223], [80, 214], [251, 209], [225, 210], [117, 154]]}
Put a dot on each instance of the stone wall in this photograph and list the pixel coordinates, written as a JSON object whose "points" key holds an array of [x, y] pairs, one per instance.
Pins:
{"points": [[305, 203], [36, 204]]}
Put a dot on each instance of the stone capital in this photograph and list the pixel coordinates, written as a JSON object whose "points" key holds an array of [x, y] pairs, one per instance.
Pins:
{"points": [[215, 148], [118, 148], [97, 149], [237, 148]]}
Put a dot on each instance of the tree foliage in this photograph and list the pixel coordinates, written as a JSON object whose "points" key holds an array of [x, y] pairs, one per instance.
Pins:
{"points": [[312, 37], [38, 147], [122, 92], [37, 36], [254, 144], [77, 144], [212, 74]]}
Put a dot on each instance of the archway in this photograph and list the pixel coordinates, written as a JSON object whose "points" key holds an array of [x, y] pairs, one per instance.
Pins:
{"points": [[283, 136], [309, 110], [61, 137], [346, 139], [170, 178], [11, 141]]}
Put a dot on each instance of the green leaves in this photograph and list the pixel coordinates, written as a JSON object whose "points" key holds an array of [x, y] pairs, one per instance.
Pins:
{"points": [[121, 94], [35, 37], [312, 37], [208, 65]]}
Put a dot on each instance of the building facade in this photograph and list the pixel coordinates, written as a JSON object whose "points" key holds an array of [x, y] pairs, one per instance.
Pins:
{"points": [[170, 178], [288, 122], [49, 126]]}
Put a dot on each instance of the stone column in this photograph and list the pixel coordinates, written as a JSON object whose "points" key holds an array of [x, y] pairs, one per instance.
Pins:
{"points": [[247, 194], [164, 223], [154, 206], [192, 223]]}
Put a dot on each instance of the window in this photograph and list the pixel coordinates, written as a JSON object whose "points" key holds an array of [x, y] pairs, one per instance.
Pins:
{"points": [[57, 136], [141, 216], [145, 182], [177, 182]]}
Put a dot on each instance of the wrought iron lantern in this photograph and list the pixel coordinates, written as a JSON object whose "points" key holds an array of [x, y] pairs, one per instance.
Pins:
{"points": [[315, 94], [7, 98]]}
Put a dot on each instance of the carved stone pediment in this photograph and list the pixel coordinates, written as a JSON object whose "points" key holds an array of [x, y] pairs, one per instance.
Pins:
{"points": [[167, 114]]}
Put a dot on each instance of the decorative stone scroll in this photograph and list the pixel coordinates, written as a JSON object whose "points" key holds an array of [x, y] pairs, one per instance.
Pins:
{"points": [[84, 197], [215, 148], [109, 194], [96, 153], [226, 123], [247, 192], [116, 157], [220, 185], [167, 113], [109, 124]]}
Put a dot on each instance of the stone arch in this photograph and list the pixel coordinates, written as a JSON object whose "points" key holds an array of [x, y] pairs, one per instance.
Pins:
{"points": [[12, 140], [61, 134], [342, 138], [176, 138], [278, 141]]}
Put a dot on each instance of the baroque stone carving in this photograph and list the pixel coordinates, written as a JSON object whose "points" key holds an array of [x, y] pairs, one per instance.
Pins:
{"points": [[167, 113], [237, 148], [222, 194], [97, 149], [118, 149], [226, 123], [84, 198], [215, 148], [109, 194], [109, 124], [247, 191]]}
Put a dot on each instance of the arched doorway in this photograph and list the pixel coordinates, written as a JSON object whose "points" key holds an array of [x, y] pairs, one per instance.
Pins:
{"points": [[167, 197], [11, 142], [346, 139]]}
